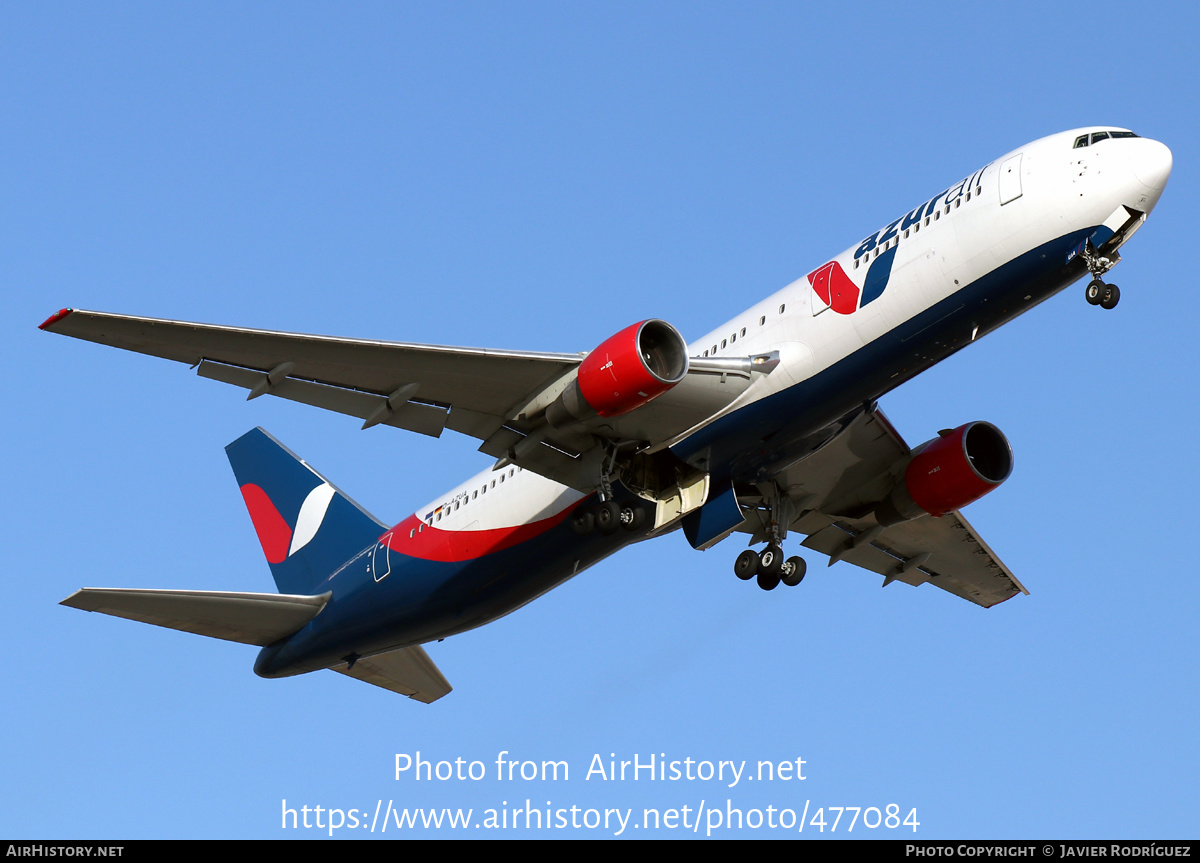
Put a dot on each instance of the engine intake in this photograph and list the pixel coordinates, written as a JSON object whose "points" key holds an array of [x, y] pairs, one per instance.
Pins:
{"points": [[949, 472], [626, 371]]}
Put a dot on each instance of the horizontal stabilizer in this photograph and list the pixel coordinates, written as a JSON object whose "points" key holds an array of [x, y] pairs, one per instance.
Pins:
{"points": [[408, 671], [248, 618]]}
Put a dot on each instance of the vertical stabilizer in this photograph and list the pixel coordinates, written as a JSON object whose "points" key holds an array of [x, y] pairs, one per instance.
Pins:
{"points": [[306, 525]]}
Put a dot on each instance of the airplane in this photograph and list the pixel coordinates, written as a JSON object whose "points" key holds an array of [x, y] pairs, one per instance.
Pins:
{"points": [[767, 426]]}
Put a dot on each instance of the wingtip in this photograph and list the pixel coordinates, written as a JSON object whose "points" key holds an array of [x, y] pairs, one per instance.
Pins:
{"points": [[54, 318]]}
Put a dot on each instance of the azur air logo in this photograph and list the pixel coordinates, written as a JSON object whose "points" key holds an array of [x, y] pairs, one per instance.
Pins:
{"points": [[838, 291]]}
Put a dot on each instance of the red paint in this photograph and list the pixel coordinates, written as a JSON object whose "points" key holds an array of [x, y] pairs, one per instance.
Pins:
{"points": [[273, 532], [55, 318], [457, 545], [835, 288], [941, 477], [614, 378]]}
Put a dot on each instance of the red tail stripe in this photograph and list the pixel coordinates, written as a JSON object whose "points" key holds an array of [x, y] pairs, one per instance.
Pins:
{"points": [[273, 532]]}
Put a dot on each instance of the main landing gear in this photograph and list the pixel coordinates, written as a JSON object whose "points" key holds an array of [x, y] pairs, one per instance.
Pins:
{"points": [[607, 517], [769, 567], [1098, 292]]}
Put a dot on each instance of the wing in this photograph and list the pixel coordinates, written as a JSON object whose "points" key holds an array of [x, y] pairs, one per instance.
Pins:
{"points": [[498, 397], [353, 376], [834, 490]]}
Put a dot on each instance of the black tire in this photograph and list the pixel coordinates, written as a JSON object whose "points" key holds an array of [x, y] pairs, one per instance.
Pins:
{"points": [[1112, 296], [633, 517], [770, 562], [1094, 292], [746, 565], [793, 571], [767, 581], [583, 521], [608, 517]]}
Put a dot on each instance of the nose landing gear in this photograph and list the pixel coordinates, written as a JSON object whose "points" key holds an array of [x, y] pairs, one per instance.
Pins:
{"points": [[1097, 292], [1103, 295]]}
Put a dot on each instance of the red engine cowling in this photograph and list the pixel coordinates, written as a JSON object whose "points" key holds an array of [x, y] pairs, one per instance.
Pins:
{"points": [[949, 472], [626, 371]]}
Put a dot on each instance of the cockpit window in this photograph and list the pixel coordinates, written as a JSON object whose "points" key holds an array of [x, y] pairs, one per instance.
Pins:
{"points": [[1082, 140]]}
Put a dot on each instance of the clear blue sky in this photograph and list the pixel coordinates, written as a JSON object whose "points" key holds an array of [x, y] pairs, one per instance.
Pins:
{"points": [[537, 176]]}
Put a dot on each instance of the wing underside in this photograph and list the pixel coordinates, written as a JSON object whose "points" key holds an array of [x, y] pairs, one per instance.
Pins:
{"points": [[833, 491], [497, 397]]}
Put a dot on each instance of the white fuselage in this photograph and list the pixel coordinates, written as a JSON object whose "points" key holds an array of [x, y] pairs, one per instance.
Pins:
{"points": [[1015, 204]]}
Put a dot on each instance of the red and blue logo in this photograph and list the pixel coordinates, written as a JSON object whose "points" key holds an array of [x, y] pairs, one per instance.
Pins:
{"points": [[839, 292]]}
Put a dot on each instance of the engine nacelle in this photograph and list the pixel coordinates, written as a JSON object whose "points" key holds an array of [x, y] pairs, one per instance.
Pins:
{"points": [[626, 371], [949, 472]]}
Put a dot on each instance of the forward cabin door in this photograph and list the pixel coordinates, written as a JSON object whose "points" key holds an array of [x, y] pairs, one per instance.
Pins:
{"points": [[1010, 179]]}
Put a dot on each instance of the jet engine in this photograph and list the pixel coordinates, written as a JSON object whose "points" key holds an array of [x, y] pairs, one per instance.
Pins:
{"points": [[954, 469], [626, 371]]}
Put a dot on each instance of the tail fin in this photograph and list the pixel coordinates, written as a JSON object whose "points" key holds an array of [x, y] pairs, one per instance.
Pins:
{"points": [[306, 525]]}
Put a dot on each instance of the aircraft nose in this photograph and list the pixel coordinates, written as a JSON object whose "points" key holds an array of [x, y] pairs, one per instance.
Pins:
{"points": [[1152, 163]]}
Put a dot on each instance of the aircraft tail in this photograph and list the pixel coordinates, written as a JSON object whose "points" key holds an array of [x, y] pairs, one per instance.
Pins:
{"points": [[307, 526]]}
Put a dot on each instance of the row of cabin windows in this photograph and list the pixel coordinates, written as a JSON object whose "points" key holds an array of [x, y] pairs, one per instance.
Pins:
{"points": [[464, 500], [762, 321], [937, 214]]}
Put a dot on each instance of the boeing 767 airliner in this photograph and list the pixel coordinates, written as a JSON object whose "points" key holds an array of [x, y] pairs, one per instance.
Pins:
{"points": [[767, 426]]}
